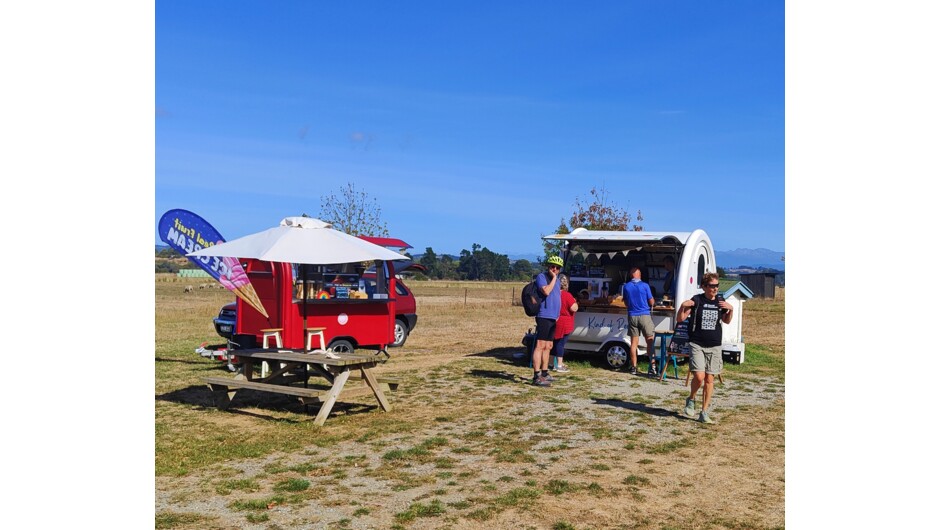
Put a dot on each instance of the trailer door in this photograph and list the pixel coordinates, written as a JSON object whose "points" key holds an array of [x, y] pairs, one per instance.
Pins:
{"points": [[697, 259]]}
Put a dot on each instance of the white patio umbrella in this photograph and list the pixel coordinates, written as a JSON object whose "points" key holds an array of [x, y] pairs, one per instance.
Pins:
{"points": [[301, 240]]}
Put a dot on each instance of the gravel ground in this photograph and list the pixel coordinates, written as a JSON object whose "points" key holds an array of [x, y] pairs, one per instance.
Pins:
{"points": [[493, 442]]}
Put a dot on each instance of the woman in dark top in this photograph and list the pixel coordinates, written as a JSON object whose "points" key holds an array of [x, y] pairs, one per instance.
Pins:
{"points": [[707, 310]]}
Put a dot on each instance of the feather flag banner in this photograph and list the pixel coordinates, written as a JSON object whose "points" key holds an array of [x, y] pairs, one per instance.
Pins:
{"points": [[186, 232]]}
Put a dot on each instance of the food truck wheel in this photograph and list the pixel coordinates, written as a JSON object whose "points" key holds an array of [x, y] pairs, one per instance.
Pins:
{"points": [[342, 346], [617, 354], [401, 333]]}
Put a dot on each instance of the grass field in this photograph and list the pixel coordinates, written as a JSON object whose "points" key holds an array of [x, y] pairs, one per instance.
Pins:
{"points": [[469, 443]]}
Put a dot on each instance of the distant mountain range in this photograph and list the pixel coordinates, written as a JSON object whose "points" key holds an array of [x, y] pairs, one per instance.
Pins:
{"points": [[750, 257], [727, 259]]}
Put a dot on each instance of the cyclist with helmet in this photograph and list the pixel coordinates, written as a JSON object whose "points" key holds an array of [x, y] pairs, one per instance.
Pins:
{"points": [[545, 320]]}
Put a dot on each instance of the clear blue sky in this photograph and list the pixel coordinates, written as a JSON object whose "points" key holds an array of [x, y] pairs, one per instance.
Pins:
{"points": [[474, 122]]}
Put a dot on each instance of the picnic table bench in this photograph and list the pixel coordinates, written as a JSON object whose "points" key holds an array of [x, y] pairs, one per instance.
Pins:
{"points": [[295, 366]]}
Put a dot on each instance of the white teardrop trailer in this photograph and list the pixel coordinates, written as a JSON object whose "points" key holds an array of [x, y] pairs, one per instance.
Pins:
{"points": [[599, 262]]}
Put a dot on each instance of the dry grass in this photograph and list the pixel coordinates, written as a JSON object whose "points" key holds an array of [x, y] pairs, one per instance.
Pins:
{"points": [[468, 444]]}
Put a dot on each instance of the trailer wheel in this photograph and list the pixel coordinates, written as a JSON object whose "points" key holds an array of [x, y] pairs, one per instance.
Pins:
{"points": [[617, 354], [342, 346]]}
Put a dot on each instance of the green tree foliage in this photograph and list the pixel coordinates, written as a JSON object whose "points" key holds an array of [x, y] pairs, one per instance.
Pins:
{"points": [[166, 266], [721, 272], [479, 263], [523, 269], [430, 261], [447, 268], [353, 212], [483, 264], [598, 214], [555, 248], [168, 253]]}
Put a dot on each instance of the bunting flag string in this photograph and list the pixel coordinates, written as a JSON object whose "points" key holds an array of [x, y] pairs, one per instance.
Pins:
{"points": [[598, 255]]}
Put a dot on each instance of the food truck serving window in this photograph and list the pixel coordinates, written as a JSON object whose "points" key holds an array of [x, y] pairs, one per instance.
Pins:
{"points": [[342, 281]]}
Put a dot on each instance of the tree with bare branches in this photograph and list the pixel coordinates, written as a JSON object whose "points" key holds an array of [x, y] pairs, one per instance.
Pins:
{"points": [[353, 212]]}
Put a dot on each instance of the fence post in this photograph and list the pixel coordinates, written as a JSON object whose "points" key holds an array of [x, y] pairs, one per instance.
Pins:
{"points": [[464, 296]]}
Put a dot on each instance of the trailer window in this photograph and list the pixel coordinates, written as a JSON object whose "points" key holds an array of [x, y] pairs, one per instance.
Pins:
{"points": [[701, 269]]}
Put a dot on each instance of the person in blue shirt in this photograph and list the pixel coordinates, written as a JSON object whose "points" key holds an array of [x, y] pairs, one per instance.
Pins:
{"points": [[549, 286], [638, 298]]}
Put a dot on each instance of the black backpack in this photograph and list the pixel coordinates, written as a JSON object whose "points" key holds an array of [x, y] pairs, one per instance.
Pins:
{"points": [[532, 298]]}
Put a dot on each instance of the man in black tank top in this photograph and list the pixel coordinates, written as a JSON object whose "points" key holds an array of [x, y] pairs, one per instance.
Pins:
{"points": [[707, 310]]}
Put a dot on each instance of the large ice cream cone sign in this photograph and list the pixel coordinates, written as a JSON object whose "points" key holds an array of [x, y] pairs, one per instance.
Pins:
{"points": [[186, 232], [237, 281]]}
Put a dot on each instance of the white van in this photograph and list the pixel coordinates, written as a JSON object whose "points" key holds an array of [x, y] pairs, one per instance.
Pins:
{"points": [[598, 263]]}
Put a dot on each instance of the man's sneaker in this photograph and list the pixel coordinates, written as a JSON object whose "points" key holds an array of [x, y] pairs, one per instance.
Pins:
{"points": [[703, 417], [689, 407], [548, 378], [563, 369], [540, 381], [633, 370], [653, 369]]}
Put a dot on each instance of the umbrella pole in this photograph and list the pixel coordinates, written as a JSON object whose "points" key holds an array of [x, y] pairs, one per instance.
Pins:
{"points": [[304, 302]]}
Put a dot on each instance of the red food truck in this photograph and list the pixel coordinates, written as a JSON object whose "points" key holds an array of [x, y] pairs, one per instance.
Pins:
{"points": [[355, 310]]}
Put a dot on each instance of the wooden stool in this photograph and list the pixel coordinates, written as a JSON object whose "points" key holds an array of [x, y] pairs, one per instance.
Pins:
{"points": [[271, 332], [265, 335], [311, 332]]}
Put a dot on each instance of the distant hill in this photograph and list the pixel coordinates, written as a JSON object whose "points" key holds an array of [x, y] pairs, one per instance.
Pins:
{"points": [[532, 258], [750, 257]]}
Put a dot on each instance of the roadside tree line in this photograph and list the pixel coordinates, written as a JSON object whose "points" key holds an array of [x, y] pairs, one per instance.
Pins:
{"points": [[479, 263]]}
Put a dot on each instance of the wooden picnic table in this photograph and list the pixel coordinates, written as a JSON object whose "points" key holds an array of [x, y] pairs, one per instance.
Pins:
{"points": [[295, 366]]}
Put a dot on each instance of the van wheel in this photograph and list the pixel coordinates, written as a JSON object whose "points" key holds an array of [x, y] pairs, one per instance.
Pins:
{"points": [[617, 355], [401, 333], [342, 346]]}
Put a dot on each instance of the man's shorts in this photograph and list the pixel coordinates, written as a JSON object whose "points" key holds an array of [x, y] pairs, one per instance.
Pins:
{"points": [[544, 329], [704, 359], [641, 324]]}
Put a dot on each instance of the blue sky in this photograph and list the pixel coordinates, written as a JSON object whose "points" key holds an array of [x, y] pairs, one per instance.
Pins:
{"points": [[474, 122]]}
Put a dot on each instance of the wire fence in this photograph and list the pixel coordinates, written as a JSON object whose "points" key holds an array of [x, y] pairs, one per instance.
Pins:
{"points": [[467, 293]]}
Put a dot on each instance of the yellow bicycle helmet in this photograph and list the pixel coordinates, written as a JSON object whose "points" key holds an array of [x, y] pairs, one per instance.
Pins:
{"points": [[556, 260]]}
